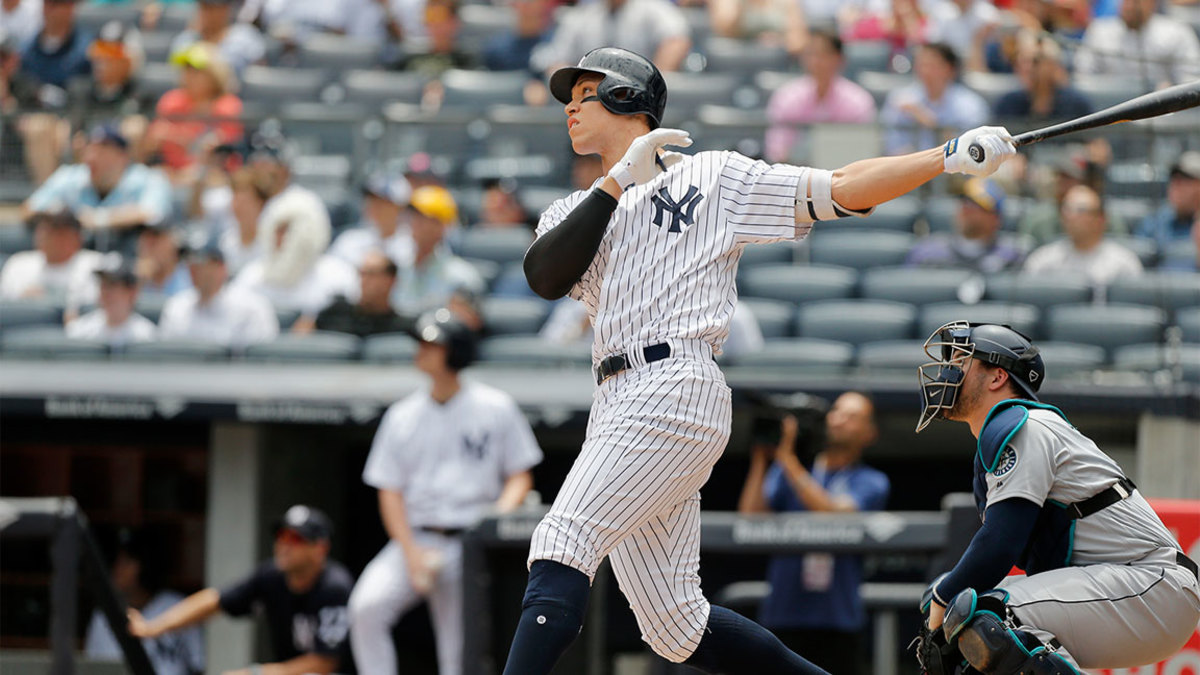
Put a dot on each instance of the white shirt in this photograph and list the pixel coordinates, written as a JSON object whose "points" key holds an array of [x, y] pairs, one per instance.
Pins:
{"points": [[1164, 50], [431, 284], [450, 460], [27, 274], [1102, 264], [353, 245], [326, 280], [237, 256], [959, 29], [94, 326], [639, 26], [234, 317], [176, 653], [23, 22]]}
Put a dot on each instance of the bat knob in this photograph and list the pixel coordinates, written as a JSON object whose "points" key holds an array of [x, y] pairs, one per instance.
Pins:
{"points": [[975, 150]]}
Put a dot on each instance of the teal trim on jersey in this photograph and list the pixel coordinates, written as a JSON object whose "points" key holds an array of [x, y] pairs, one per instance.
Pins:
{"points": [[1071, 543], [1000, 407]]}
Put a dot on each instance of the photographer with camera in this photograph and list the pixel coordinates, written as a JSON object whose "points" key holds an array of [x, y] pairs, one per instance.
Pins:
{"points": [[814, 604]]}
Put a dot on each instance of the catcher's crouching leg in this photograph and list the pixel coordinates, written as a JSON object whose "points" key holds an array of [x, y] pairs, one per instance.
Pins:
{"points": [[981, 628]]}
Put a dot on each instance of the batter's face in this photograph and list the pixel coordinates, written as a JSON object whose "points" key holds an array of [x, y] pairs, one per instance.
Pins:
{"points": [[593, 129]]}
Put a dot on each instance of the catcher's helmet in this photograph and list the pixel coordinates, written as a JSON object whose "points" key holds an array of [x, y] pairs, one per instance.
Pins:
{"points": [[632, 84], [439, 327], [951, 345]]}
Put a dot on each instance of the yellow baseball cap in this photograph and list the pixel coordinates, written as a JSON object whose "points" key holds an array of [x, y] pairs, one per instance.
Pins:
{"points": [[435, 202]]}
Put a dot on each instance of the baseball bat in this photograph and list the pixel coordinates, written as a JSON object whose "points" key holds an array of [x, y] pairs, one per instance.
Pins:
{"points": [[1169, 100]]}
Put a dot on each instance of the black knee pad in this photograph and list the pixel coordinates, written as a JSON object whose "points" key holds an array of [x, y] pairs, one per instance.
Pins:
{"points": [[980, 626]]}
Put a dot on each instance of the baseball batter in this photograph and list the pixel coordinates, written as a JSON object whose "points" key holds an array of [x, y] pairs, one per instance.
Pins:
{"points": [[1107, 585], [442, 457], [652, 251]]}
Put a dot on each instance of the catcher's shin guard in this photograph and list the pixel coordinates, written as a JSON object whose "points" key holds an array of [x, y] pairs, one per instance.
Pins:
{"points": [[979, 626]]}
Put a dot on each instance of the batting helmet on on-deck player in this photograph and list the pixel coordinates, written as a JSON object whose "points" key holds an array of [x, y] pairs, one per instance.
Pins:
{"points": [[632, 84], [439, 327]]}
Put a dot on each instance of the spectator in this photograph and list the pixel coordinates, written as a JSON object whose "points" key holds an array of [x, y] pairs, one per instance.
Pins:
{"points": [[240, 44], [16, 90], [977, 243], [655, 28], [442, 24], [821, 95], [1155, 49], [385, 223], [814, 604], [442, 458], [302, 592], [435, 272], [116, 56], [966, 26], [58, 268], [1185, 258], [1172, 222], [512, 49], [1085, 251], [901, 23], [501, 206], [372, 313], [239, 242], [771, 23], [211, 310], [114, 322], [57, 54], [202, 111], [1040, 220], [1045, 93], [159, 267], [934, 107], [21, 19], [108, 192], [139, 575], [292, 21]]}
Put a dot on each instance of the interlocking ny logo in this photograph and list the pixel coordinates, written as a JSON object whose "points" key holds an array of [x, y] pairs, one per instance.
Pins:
{"points": [[681, 211]]}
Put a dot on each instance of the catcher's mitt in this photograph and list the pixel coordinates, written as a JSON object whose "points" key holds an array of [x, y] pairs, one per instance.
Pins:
{"points": [[935, 655]]}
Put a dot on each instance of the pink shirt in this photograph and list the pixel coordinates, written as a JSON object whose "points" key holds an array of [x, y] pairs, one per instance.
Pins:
{"points": [[796, 103]]}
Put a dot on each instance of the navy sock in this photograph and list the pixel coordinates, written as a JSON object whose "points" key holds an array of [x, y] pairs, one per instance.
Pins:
{"points": [[733, 644], [551, 617]]}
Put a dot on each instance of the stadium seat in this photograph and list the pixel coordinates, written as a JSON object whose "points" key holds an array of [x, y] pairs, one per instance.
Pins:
{"points": [[511, 282], [1154, 357], [893, 356], [175, 18], [156, 79], [991, 86], [918, 286], [531, 350], [150, 305], [410, 130], [157, 45], [337, 52], [1109, 326], [866, 55], [941, 213], [775, 317], [528, 130], [319, 346], [1170, 291], [723, 127], [514, 316], [805, 355], [689, 91], [48, 342], [377, 87], [698, 21], [859, 249], [1188, 321], [175, 350], [768, 81], [1105, 90], [1070, 358], [1136, 179], [277, 85], [501, 245], [1131, 211], [286, 318], [537, 199], [898, 214], [524, 169], [797, 283], [91, 16], [478, 89], [482, 21], [389, 348], [880, 84], [1023, 318], [1145, 249], [1044, 290], [29, 312], [323, 129], [488, 270], [732, 55], [857, 321], [766, 254], [15, 237]]}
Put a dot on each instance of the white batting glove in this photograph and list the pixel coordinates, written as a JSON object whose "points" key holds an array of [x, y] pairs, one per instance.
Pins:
{"points": [[995, 142], [639, 164]]}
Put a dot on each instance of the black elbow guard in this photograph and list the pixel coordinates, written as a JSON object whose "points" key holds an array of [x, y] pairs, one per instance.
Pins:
{"points": [[559, 258]]}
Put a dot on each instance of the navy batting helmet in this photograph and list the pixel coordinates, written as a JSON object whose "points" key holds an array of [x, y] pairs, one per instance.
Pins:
{"points": [[439, 327], [632, 84], [951, 345]]}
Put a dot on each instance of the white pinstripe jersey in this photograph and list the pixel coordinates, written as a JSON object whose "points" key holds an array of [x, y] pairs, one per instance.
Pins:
{"points": [[666, 266]]}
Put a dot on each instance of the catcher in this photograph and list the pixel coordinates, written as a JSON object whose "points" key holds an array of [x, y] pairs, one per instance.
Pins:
{"points": [[1106, 584]]}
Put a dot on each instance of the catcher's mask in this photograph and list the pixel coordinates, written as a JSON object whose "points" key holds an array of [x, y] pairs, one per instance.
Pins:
{"points": [[951, 345]]}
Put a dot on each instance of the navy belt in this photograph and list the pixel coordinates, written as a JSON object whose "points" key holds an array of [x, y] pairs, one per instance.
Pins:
{"points": [[1121, 490], [611, 365], [1187, 563]]}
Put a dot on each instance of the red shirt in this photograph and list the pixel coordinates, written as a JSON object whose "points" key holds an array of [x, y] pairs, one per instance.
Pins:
{"points": [[180, 135]]}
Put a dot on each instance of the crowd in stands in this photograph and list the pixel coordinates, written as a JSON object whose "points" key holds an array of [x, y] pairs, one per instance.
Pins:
{"points": [[176, 199]]}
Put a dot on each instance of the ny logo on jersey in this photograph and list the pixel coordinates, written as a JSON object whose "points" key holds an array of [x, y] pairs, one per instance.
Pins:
{"points": [[681, 212], [475, 448]]}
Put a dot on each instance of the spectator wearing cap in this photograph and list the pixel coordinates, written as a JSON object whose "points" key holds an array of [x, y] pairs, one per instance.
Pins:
{"points": [[822, 94], [384, 226], [116, 56], [302, 592], [21, 19], [1085, 250], [1046, 92], [239, 44], [936, 106], [656, 28], [1171, 224], [213, 311], [372, 313], [1140, 43], [435, 272], [58, 52], [114, 322], [202, 111], [108, 191], [139, 574], [159, 266], [977, 242], [58, 268]]}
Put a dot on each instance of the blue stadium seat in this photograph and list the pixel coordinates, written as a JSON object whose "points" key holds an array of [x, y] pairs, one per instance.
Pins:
{"points": [[157, 44], [867, 55], [918, 286], [857, 321], [1109, 326], [1023, 318], [531, 350], [689, 91], [29, 312], [174, 350], [489, 270], [389, 348], [899, 214], [324, 129], [479, 22], [48, 342], [319, 346], [1188, 321], [1145, 249], [1070, 358], [524, 169], [337, 52], [725, 127], [892, 356], [1154, 357], [1044, 290], [501, 245], [175, 18], [1136, 179], [859, 249], [514, 316], [511, 283], [275, 85], [797, 283], [478, 89], [528, 130], [150, 305], [732, 55], [15, 237], [775, 317], [1170, 291], [767, 254], [409, 130], [377, 87], [810, 356]]}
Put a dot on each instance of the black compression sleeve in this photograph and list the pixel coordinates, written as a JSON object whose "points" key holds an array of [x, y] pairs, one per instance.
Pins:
{"points": [[559, 258], [993, 550]]}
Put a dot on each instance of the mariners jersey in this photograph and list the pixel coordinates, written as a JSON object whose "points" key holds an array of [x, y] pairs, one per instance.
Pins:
{"points": [[666, 265], [1048, 459]]}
